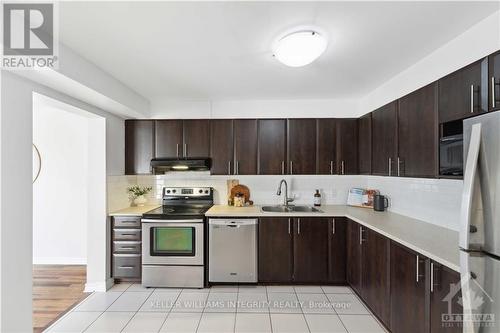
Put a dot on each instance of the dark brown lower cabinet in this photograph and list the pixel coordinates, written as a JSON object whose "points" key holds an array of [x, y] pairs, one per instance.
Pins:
{"points": [[409, 309], [310, 255], [354, 256], [376, 274], [275, 249], [442, 296], [337, 259], [299, 250]]}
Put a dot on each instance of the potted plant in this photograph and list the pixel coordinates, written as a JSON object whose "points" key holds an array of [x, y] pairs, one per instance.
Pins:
{"points": [[138, 193]]}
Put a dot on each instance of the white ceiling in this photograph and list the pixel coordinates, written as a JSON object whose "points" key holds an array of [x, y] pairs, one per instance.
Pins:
{"points": [[220, 50]]}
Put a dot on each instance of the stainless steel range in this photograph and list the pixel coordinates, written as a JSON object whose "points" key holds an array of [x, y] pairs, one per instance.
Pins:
{"points": [[173, 239]]}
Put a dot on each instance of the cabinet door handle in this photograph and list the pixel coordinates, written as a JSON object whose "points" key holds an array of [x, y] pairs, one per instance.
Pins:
{"points": [[399, 166], [331, 167], [237, 168], [418, 269], [333, 226], [390, 166], [185, 150], [493, 99], [432, 277], [291, 167], [282, 167], [342, 167], [177, 149], [298, 226], [471, 98], [289, 226], [361, 235]]}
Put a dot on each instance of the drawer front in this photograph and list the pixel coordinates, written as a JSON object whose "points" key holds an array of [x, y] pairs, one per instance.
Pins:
{"points": [[127, 265], [127, 234], [127, 221], [127, 247]]}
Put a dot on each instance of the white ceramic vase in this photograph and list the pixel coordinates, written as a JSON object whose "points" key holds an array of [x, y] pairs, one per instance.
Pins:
{"points": [[140, 200]]}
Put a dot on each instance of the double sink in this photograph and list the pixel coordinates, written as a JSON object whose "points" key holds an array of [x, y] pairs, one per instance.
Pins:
{"points": [[290, 209]]}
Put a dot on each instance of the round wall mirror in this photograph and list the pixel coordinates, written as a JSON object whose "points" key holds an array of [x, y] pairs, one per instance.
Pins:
{"points": [[37, 163]]}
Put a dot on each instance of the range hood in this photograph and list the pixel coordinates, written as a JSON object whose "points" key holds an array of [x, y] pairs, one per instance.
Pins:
{"points": [[163, 165]]}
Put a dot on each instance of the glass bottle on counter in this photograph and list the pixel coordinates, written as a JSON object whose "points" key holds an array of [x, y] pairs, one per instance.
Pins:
{"points": [[317, 198]]}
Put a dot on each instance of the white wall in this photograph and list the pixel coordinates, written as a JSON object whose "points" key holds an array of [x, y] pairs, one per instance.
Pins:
{"points": [[479, 41], [61, 190], [301, 108]]}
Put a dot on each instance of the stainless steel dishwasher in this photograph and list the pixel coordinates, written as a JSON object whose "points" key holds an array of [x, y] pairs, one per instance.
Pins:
{"points": [[232, 250]]}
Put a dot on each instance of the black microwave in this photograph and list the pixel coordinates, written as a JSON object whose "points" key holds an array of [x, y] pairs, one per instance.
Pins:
{"points": [[451, 155]]}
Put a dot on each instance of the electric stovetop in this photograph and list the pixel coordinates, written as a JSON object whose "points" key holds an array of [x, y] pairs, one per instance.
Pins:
{"points": [[172, 212]]}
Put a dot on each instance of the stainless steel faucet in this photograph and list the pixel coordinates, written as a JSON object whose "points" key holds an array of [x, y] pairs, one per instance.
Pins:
{"points": [[286, 199]]}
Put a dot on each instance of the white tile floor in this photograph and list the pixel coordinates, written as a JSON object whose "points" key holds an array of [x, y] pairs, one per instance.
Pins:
{"points": [[221, 309]]}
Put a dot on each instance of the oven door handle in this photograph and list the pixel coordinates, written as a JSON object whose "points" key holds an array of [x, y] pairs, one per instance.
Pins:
{"points": [[172, 221]]}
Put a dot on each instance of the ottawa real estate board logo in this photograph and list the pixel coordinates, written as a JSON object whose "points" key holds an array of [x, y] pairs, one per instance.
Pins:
{"points": [[29, 35]]}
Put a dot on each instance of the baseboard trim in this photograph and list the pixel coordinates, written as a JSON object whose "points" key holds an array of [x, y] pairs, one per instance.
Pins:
{"points": [[101, 286], [59, 261]]}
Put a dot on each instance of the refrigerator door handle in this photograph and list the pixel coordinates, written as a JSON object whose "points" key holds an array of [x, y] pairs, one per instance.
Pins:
{"points": [[469, 179]]}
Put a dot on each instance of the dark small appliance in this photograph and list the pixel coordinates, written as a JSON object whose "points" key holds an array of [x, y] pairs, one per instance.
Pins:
{"points": [[380, 202]]}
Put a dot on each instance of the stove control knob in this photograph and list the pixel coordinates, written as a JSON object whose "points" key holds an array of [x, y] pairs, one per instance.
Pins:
{"points": [[168, 191], [173, 191], [200, 191]]}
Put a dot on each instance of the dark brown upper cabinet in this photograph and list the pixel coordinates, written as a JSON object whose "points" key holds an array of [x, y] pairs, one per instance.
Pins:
{"points": [[337, 255], [275, 249], [221, 146], [327, 146], [168, 138], [376, 274], [347, 144], [272, 147], [196, 134], [245, 146], [302, 146], [139, 146], [408, 291], [365, 144], [464, 93], [310, 255], [418, 133], [494, 81], [384, 139]]}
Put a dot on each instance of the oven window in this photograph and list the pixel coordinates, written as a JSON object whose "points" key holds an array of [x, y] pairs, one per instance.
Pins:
{"points": [[172, 241]]}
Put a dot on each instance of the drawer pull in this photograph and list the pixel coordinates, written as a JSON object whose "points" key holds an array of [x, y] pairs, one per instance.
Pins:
{"points": [[128, 247], [127, 267], [129, 234]]}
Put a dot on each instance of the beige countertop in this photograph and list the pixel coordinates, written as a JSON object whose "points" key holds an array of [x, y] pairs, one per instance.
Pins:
{"points": [[134, 211], [438, 243]]}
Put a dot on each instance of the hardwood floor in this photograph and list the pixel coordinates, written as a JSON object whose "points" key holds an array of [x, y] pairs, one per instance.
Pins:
{"points": [[56, 289]]}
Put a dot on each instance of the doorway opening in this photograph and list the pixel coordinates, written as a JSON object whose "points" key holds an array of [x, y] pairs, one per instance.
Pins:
{"points": [[67, 154]]}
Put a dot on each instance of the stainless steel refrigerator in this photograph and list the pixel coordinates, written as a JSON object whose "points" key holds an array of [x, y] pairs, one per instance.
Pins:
{"points": [[480, 224]]}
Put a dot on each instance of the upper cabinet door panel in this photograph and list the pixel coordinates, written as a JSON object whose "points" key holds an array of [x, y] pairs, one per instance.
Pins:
{"points": [[302, 146], [327, 146], [221, 146], [418, 133], [168, 138], [139, 146], [365, 144], [494, 81], [347, 146], [272, 146], [196, 138], [464, 93], [245, 146], [384, 139]]}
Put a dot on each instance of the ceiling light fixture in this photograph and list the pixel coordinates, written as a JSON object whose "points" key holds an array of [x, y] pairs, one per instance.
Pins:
{"points": [[299, 47]]}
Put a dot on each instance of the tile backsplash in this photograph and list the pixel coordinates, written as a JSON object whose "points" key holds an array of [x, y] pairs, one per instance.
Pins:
{"points": [[435, 201]]}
